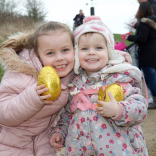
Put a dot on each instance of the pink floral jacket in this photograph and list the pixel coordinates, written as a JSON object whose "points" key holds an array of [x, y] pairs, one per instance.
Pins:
{"points": [[88, 133]]}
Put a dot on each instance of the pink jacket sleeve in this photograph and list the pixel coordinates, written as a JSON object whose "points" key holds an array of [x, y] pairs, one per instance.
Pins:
{"points": [[19, 100], [16, 103]]}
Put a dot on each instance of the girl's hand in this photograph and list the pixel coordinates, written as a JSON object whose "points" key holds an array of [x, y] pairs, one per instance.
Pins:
{"points": [[57, 141], [108, 109], [41, 89]]}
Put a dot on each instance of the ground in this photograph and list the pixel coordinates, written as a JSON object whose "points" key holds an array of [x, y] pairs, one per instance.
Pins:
{"points": [[149, 130]]}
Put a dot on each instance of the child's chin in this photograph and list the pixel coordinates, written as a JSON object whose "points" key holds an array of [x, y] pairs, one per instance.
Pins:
{"points": [[62, 74]]}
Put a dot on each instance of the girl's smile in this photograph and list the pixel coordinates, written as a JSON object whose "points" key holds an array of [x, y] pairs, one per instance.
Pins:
{"points": [[57, 51], [60, 67]]}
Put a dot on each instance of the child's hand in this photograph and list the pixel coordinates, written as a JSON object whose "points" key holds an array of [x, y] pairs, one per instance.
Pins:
{"points": [[108, 109], [41, 89], [57, 141]]}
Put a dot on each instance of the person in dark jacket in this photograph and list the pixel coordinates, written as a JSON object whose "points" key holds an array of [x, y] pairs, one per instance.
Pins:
{"points": [[146, 40], [135, 25], [152, 2], [78, 19]]}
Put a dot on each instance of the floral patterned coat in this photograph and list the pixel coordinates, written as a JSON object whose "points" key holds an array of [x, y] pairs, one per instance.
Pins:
{"points": [[88, 133]]}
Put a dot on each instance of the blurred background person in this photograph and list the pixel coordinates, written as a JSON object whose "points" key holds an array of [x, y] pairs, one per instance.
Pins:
{"points": [[78, 19], [152, 2], [135, 25], [146, 39]]}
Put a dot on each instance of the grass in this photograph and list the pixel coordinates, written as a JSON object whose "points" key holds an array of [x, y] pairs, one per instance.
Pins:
{"points": [[117, 37], [1, 72]]}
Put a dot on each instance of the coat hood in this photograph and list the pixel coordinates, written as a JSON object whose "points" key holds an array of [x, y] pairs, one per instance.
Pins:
{"points": [[149, 22], [13, 60]]}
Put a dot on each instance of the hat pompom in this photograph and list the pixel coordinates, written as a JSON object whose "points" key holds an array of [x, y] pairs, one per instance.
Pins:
{"points": [[90, 18]]}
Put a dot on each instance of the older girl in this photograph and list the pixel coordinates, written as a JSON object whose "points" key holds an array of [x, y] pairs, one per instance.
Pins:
{"points": [[25, 116]]}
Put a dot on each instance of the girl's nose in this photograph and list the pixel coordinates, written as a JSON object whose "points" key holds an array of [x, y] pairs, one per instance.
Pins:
{"points": [[59, 57], [91, 51]]}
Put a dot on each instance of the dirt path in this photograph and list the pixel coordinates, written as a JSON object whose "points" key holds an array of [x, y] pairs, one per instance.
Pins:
{"points": [[149, 130]]}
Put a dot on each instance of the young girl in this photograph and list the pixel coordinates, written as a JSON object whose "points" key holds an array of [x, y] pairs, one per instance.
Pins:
{"points": [[114, 128], [25, 115]]}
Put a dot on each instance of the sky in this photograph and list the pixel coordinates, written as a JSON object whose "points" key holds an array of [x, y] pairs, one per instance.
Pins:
{"points": [[114, 13]]}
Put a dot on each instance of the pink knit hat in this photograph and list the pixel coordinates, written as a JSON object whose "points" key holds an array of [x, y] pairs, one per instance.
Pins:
{"points": [[94, 24]]}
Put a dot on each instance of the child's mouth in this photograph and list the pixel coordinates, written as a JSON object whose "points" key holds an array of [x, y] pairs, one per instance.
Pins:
{"points": [[61, 67], [92, 60]]}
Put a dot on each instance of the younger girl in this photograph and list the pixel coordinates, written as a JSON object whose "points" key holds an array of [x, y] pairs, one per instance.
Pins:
{"points": [[25, 116], [113, 129]]}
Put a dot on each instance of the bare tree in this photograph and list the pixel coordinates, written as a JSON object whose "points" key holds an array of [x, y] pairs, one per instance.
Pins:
{"points": [[35, 10], [7, 10], [7, 6]]}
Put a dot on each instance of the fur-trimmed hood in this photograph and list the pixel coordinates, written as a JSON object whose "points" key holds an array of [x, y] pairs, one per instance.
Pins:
{"points": [[24, 61], [150, 22]]}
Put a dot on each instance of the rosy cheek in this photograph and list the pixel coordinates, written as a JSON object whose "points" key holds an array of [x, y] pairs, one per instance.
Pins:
{"points": [[80, 58]]}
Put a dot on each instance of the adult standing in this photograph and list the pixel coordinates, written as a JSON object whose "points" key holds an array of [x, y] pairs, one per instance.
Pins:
{"points": [[78, 19], [152, 2], [135, 26], [146, 40]]}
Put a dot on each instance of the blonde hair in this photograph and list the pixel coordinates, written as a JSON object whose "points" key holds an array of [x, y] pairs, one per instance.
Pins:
{"points": [[50, 27], [87, 35], [29, 41]]}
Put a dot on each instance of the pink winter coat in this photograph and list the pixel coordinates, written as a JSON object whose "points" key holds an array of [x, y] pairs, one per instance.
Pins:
{"points": [[24, 120]]}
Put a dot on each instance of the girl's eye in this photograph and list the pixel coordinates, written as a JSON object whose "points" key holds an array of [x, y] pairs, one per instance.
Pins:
{"points": [[50, 53], [98, 48], [84, 48], [65, 50]]}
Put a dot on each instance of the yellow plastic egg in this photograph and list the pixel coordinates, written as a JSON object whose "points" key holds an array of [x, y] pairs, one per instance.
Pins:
{"points": [[49, 77]]}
